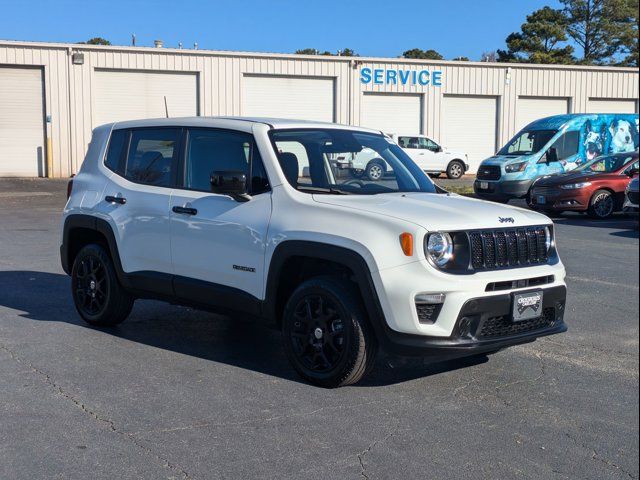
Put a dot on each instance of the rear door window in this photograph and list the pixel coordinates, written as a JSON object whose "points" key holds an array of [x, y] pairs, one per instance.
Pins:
{"points": [[153, 156]]}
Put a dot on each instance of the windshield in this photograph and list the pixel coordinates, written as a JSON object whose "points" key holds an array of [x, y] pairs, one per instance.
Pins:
{"points": [[527, 142], [346, 162], [608, 164]]}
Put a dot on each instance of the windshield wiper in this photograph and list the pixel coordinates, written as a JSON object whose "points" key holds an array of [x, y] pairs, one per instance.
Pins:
{"points": [[312, 189]]}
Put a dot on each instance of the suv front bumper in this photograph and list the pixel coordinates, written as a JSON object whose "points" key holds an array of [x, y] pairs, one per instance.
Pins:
{"points": [[484, 325]]}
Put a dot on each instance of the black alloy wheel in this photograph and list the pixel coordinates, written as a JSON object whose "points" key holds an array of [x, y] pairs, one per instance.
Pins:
{"points": [[326, 335], [97, 294], [91, 287]]}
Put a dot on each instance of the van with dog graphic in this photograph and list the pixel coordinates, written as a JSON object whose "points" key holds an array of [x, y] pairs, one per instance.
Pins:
{"points": [[553, 145]]}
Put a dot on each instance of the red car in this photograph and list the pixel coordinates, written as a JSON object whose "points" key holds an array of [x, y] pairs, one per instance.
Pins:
{"points": [[597, 187]]}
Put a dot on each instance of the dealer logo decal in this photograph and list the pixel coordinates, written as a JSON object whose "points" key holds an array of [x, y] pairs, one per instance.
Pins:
{"points": [[534, 302]]}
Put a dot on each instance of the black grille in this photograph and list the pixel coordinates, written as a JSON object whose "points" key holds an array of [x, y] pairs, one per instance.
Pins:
{"points": [[519, 247], [489, 172], [633, 197], [542, 190], [503, 326], [428, 312]]}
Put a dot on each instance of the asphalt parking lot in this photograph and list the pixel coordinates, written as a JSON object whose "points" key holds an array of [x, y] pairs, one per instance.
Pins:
{"points": [[176, 393]]}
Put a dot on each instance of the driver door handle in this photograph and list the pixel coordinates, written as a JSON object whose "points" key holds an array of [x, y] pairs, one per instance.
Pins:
{"points": [[185, 210]]}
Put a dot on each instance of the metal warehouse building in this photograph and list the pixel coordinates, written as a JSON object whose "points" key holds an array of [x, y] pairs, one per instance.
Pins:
{"points": [[52, 95]]}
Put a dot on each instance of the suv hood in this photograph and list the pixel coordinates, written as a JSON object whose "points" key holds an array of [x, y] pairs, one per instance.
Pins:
{"points": [[434, 211]]}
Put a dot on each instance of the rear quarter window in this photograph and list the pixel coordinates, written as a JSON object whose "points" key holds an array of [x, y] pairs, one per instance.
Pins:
{"points": [[115, 151]]}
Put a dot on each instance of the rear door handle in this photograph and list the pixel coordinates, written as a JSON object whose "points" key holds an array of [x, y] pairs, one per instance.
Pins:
{"points": [[118, 200], [185, 210]]}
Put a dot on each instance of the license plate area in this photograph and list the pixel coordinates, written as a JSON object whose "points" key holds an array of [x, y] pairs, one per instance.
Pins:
{"points": [[527, 306], [484, 185], [541, 200]]}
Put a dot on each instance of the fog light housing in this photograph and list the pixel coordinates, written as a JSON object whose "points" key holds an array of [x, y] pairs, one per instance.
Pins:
{"points": [[428, 307]]}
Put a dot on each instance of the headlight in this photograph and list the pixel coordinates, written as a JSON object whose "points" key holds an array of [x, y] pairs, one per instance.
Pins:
{"points": [[548, 239], [439, 248], [515, 167], [575, 186]]}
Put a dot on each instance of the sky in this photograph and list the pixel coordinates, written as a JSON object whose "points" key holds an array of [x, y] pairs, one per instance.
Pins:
{"points": [[371, 28]]}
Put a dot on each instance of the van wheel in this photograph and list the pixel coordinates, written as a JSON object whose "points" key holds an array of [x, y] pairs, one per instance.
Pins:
{"points": [[326, 334], [98, 296], [601, 205], [455, 169], [375, 170]]}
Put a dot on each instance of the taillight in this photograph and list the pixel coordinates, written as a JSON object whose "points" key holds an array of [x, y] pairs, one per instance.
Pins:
{"points": [[69, 188]]}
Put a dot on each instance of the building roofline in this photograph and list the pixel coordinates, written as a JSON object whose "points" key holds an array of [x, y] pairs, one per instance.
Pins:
{"points": [[294, 56]]}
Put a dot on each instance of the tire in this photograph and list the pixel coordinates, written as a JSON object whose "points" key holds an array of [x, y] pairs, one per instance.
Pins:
{"points": [[326, 334], [601, 205], [375, 170], [97, 295], [356, 173], [455, 169]]}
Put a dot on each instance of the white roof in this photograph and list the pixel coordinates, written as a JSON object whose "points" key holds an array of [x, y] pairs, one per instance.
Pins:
{"points": [[238, 123]]}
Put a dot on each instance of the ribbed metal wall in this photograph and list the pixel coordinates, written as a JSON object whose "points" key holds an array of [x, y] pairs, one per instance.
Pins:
{"points": [[69, 97]]}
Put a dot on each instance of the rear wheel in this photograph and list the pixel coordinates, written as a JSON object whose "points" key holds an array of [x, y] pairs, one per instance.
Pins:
{"points": [[98, 296], [602, 204], [326, 334], [455, 169]]}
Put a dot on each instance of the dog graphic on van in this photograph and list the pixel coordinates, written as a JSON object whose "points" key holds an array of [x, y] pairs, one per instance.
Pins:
{"points": [[593, 140], [623, 135]]}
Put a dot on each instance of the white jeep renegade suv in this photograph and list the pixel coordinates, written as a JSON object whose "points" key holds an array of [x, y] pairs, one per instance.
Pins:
{"points": [[218, 213]]}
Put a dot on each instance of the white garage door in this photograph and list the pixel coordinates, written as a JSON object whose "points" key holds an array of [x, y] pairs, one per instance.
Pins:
{"points": [[128, 95], [529, 109], [469, 124], [602, 105], [21, 123], [392, 113], [288, 97]]}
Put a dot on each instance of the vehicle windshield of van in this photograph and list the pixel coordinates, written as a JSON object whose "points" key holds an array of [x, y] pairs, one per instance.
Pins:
{"points": [[605, 164], [325, 160], [527, 142]]}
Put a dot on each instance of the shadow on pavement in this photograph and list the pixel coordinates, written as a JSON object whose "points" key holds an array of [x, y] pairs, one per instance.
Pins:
{"points": [[241, 342]]}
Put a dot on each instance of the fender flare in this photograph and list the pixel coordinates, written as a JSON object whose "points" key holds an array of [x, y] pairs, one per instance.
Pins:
{"points": [[324, 251], [89, 222]]}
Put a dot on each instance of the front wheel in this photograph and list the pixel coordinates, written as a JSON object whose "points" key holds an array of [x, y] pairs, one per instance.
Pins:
{"points": [[375, 171], [602, 204], [326, 334], [98, 296], [455, 170]]}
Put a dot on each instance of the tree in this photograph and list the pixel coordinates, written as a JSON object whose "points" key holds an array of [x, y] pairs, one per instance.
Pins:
{"points": [[628, 39], [97, 41], [602, 28], [489, 57], [347, 52], [540, 40], [307, 51], [461, 59], [422, 54]]}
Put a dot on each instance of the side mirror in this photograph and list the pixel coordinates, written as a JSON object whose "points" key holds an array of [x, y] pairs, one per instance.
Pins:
{"points": [[439, 149], [551, 155], [632, 172], [230, 182]]}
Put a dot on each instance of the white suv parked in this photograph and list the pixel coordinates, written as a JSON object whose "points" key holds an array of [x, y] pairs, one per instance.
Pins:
{"points": [[215, 213], [433, 158]]}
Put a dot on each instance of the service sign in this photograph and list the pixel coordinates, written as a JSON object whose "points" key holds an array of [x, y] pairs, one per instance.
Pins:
{"points": [[400, 76]]}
